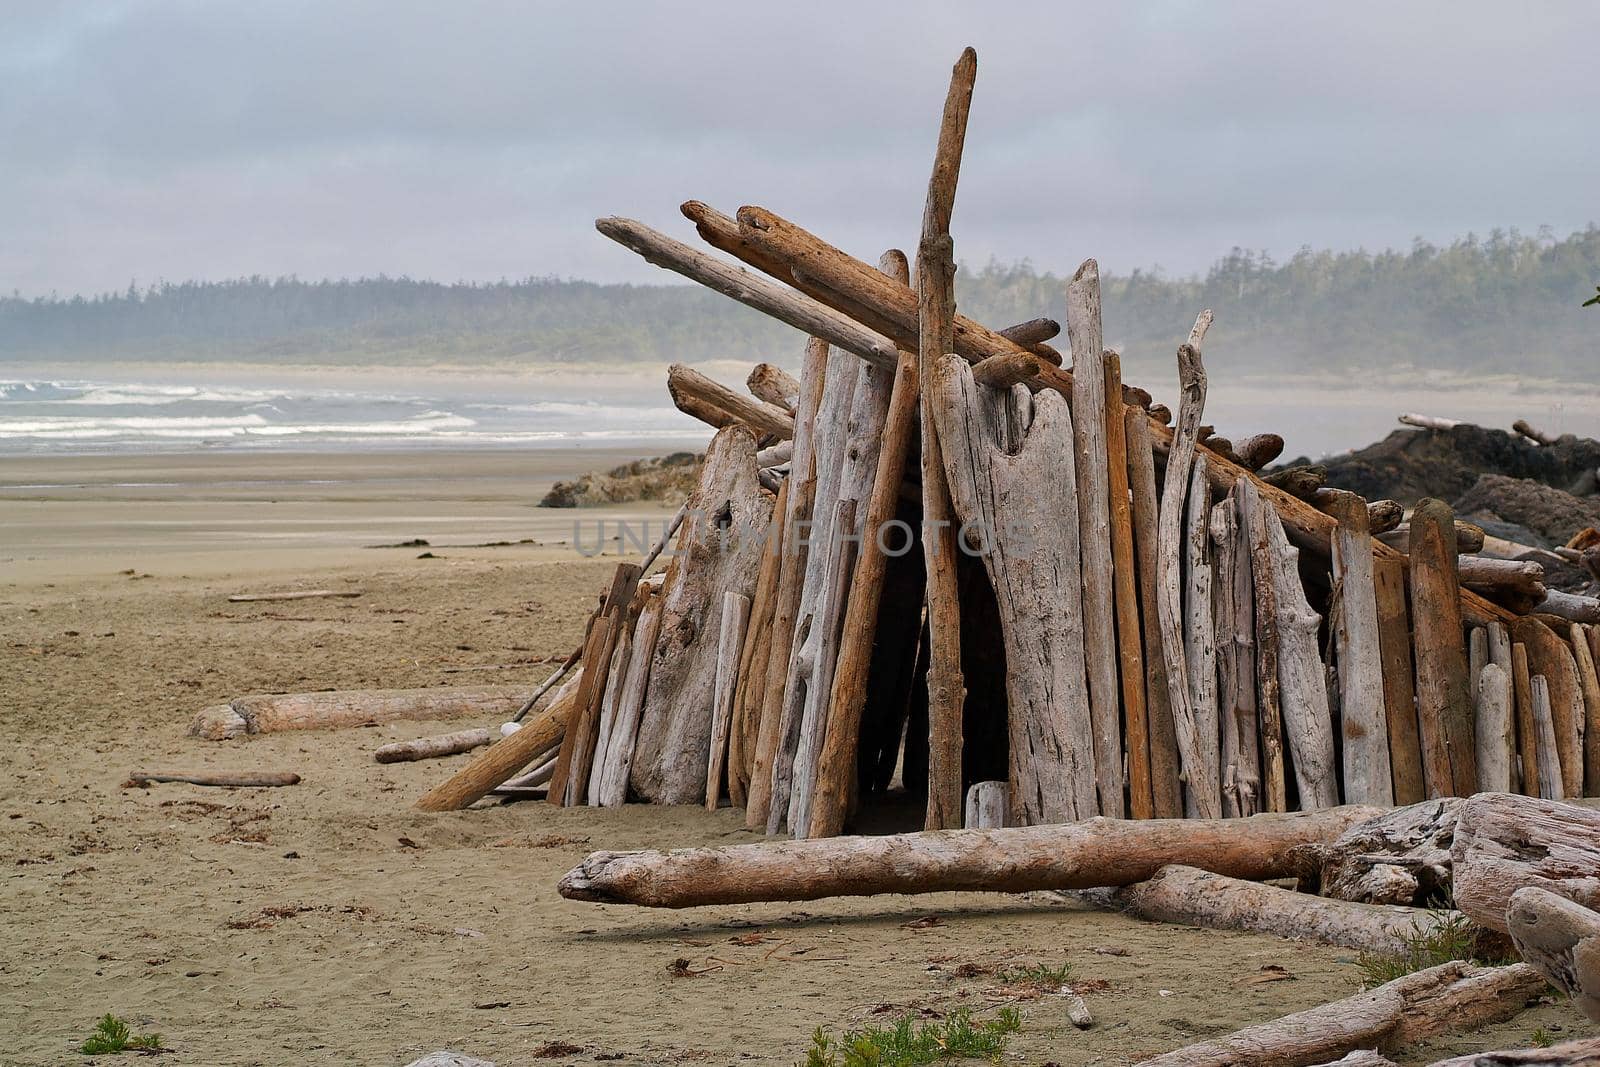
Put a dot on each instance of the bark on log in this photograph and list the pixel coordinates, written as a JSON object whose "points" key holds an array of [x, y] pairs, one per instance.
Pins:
{"points": [[1451, 997], [1201, 789], [1552, 657], [1401, 857], [1561, 940], [1099, 852], [1584, 1052], [1130, 653], [730, 643], [1399, 687], [774, 385], [1195, 897], [936, 324], [1166, 791], [1504, 842], [685, 382], [791, 581], [837, 764], [1444, 708], [421, 748], [1199, 633], [1368, 776], [278, 712], [1494, 736], [1013, 478], [507, 756], [987, 805], [719, 550], [1257, 521], [618, 765], [225, 779], [1089, 406]]}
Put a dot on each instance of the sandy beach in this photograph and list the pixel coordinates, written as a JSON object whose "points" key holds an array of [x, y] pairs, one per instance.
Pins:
{"points": [[330, 923]]}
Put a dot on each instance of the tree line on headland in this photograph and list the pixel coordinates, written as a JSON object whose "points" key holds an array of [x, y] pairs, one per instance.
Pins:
{"points": [[1505, 303]]}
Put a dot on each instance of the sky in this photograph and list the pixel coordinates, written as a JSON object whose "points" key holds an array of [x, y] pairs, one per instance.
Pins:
{"points": [[151, 140]]}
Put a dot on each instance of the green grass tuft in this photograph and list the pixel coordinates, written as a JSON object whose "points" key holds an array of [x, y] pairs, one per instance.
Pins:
{"points": [[111, 1035], [907, 1045], [1038, 976], [1542, 1039], [1455, 938]]}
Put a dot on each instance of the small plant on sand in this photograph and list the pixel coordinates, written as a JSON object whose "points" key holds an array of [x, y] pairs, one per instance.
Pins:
{"points": [[908, 1045], [1453, 937], [1541, 1038], [112, 1035], [1038, 977]]}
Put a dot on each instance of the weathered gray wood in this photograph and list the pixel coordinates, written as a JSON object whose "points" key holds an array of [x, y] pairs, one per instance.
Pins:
{"points": [[987, 804], [687, 384], [1014, 481], [1094, 522], [1199, 633], [1400, 857], [1241, 754], [1584, 1052], [1494, 738], [1549, 763], [713, 557], [1561, 940], [730, 643], [1367, 772], [1201, 789], [1571, 606], [618, 763], [608, 708], [774, 385], [1166, 791], [421, 748], [1504, 842], [1255, 522]]}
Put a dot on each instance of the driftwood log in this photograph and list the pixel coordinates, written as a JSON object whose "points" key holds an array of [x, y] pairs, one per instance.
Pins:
{"points": [[1400, 857], [1367, 773], [1256, 522], [774, 385], [1444, 707], [1199, 632], [351, 707], [1451, 997], [1399, 687], [1099, 852], [296, 594], [1550, 656], [225, 779], [618, 764], [1562, 940], [503, 759], [421, 748], [1505, 842], [1130, 653], [1585, 1052], [730, 643], [1166, 791]]}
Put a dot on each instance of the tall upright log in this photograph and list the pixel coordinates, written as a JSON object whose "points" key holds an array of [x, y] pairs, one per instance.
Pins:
{"points": [[1099, 852], [1551, 786], [747, 697], [837, 762], [1494, 734], [936, 303], [719, 550], [730, 641], [1589, 683], [1199, 629], [1009, 461], [1130, 653], [1444, 709], [569, 784], [791, 579], [1089, 404], [1367, 771], [1257, 520], [1241, 748], [1552, 657], [618, 763], [1203, 792], [1166, 792]]}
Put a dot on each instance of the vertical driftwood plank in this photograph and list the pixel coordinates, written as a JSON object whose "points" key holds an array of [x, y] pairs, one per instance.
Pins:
{"points": [[625, 725], [1201, 789], [730, 642], [1527, 727], [1018, 489], [1246, 773], [1199, 633], [1166, 791], [1493, 734], [791, 579], [1256, 518], [1224, 534], [1094, 522], [1444, 708], [891, 443], [1590, 685], [936, 304], [1367, 772], [569, 784], [719, 550], [1399, 685], [608, 710], [1549, 774], [1130, 654], [987, 803], [1308, 725], [1477, 656], [1552, 657], [1500, 653], [746, 729]]}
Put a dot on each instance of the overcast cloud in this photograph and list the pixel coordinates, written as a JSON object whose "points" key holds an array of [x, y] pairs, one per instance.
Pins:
{"points": [[150, 140]]}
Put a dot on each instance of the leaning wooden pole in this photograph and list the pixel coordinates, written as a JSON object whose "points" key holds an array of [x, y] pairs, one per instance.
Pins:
{"points": [[1444, 706], [1130, 652], [935, 326]]}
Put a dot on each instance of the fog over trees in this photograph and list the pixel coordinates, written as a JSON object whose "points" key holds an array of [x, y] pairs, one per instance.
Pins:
{"points": [[1508, 302]]}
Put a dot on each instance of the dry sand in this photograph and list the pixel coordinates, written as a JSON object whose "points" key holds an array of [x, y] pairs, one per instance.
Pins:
{"points": [[329, 923]]}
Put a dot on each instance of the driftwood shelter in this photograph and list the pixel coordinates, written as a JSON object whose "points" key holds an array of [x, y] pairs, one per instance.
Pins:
{"points": [[1106, 651]]}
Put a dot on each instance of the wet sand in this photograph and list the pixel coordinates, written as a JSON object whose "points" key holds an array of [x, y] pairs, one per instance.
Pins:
{"points": [[330, 923]]}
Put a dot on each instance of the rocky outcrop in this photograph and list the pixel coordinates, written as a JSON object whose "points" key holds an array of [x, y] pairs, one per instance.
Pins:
{"points": [[665, 478]]}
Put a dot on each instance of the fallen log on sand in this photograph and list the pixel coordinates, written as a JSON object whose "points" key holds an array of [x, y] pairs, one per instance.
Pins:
{"points": [[1561, 940], [234, 780], [421, 748], [1191, 896], [1084, 855], [298, 594], [1505, 842], [1453, 996], [351, 707], [1581, 1053]]}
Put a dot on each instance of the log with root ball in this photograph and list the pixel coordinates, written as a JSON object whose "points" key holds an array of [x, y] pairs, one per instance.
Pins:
{"points": [[1451, 997], [1098, 852]]}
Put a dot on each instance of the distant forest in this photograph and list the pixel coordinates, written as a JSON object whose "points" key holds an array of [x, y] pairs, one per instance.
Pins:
{"points": [[1508, 303]]}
